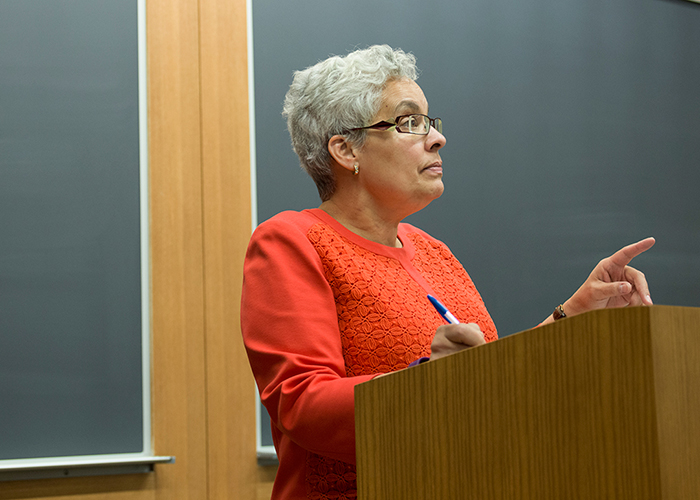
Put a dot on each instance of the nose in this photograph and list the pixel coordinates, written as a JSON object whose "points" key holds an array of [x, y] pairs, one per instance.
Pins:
{"points": [[434, 140]]}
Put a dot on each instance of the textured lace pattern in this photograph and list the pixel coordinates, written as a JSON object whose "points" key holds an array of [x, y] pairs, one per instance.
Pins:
{"points": [[385, 321], [327, 478], [452, 284]]}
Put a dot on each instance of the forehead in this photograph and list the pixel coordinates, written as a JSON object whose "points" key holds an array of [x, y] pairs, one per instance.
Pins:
{"points": [[401, 97]]}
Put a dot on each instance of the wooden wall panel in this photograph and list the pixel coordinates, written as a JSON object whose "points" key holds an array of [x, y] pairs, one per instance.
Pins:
{"points": [[179, 373], [227, 226], [136, 487]]}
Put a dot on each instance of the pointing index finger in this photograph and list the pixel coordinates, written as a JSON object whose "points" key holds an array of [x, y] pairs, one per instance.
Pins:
{"points": [[623, 256]]}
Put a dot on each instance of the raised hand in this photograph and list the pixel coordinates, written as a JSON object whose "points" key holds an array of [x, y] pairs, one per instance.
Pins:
{"points": [[613, 283]]}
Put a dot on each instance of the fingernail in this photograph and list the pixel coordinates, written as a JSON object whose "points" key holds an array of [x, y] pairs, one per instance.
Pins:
{"points": [[649, 300]]}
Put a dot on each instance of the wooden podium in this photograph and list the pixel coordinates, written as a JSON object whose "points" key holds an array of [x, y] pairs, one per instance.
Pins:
{"points": [[605, 405]]}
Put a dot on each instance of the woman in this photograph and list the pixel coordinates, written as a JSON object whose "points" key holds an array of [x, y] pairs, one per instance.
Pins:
{"points": [[337, 295]]}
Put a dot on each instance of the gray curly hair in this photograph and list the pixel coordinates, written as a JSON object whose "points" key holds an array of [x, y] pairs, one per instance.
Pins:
{"points": [[335, 95]]}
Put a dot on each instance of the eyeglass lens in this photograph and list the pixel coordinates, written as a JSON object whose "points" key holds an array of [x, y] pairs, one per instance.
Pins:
{"points": [[418, 124]]}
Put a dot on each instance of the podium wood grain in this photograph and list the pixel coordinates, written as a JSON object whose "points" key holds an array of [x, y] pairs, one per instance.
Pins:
{"points": [[602, 405]]}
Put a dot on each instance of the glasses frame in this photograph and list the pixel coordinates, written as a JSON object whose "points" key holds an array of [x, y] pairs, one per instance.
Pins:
{"points": [[435, 123]]}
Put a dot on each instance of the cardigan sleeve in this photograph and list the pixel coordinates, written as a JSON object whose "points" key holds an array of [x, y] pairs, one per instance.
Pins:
{"points": [[290, 329]]}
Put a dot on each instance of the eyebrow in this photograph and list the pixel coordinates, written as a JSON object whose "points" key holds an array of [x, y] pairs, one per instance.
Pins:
{"points": [[408, 105]]}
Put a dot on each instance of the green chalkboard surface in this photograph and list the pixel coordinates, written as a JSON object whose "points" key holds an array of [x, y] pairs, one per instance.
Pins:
{"points": [[71, 329], [572, 130]]}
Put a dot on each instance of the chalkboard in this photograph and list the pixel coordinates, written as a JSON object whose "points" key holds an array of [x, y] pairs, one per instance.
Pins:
{"points": [[572, 129], [72, 317]]}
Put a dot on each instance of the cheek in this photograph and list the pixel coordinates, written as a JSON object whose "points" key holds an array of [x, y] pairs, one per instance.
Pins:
{"points": [[380, 163], [396, 170], [393, 162]]}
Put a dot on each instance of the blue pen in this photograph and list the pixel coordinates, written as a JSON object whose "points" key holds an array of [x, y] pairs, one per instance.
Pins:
{"points": [[444, 312]]}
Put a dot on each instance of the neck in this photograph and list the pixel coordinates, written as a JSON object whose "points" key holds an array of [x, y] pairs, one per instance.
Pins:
{"points": [[363, 222]]}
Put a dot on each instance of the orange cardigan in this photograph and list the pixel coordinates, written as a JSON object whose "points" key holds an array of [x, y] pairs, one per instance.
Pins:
{"points": [[324, 309]]}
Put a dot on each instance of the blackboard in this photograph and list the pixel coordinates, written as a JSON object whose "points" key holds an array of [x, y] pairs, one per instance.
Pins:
{"points": [[572, 130], [72, 317]]}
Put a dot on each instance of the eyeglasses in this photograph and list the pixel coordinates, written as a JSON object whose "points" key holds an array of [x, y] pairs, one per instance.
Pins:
{"points": [[408, 124]]}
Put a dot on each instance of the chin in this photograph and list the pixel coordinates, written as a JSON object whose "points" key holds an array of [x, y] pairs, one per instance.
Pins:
{"points": [[430, 196], [439, 189]]}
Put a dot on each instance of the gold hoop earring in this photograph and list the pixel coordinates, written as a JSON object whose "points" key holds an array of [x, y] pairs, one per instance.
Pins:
{"points": [[357, 168]]}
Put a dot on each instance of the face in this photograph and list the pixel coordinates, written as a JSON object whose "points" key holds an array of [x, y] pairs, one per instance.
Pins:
{"points": [[401, 172]]}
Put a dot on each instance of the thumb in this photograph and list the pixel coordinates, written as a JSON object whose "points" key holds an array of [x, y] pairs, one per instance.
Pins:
{"points": [[468, 334]]}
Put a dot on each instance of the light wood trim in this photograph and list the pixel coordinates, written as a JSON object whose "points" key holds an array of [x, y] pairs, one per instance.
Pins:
{"points": [[266, 480], [179, 372], [227, 228], [136, 487]]}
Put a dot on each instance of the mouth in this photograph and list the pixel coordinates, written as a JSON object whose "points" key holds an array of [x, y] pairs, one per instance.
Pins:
{"points": [[435, 168]]}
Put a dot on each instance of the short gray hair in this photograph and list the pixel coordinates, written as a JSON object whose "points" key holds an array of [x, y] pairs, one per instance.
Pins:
{"points": [[335, 95]]}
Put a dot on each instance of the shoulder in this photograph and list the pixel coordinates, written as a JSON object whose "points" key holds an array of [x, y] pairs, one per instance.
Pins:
{"points": [[288, 220], [285, 226], [283, 237]]}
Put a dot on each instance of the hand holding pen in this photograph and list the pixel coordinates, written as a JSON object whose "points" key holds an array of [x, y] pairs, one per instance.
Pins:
{"points": [[455, 336]]}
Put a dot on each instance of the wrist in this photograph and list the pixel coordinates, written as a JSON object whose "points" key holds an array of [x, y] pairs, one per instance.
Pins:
{"points": [[572, 308]]}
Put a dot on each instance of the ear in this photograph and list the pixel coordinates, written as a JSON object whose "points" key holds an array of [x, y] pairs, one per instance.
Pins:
{"points": [[342, 152]]}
